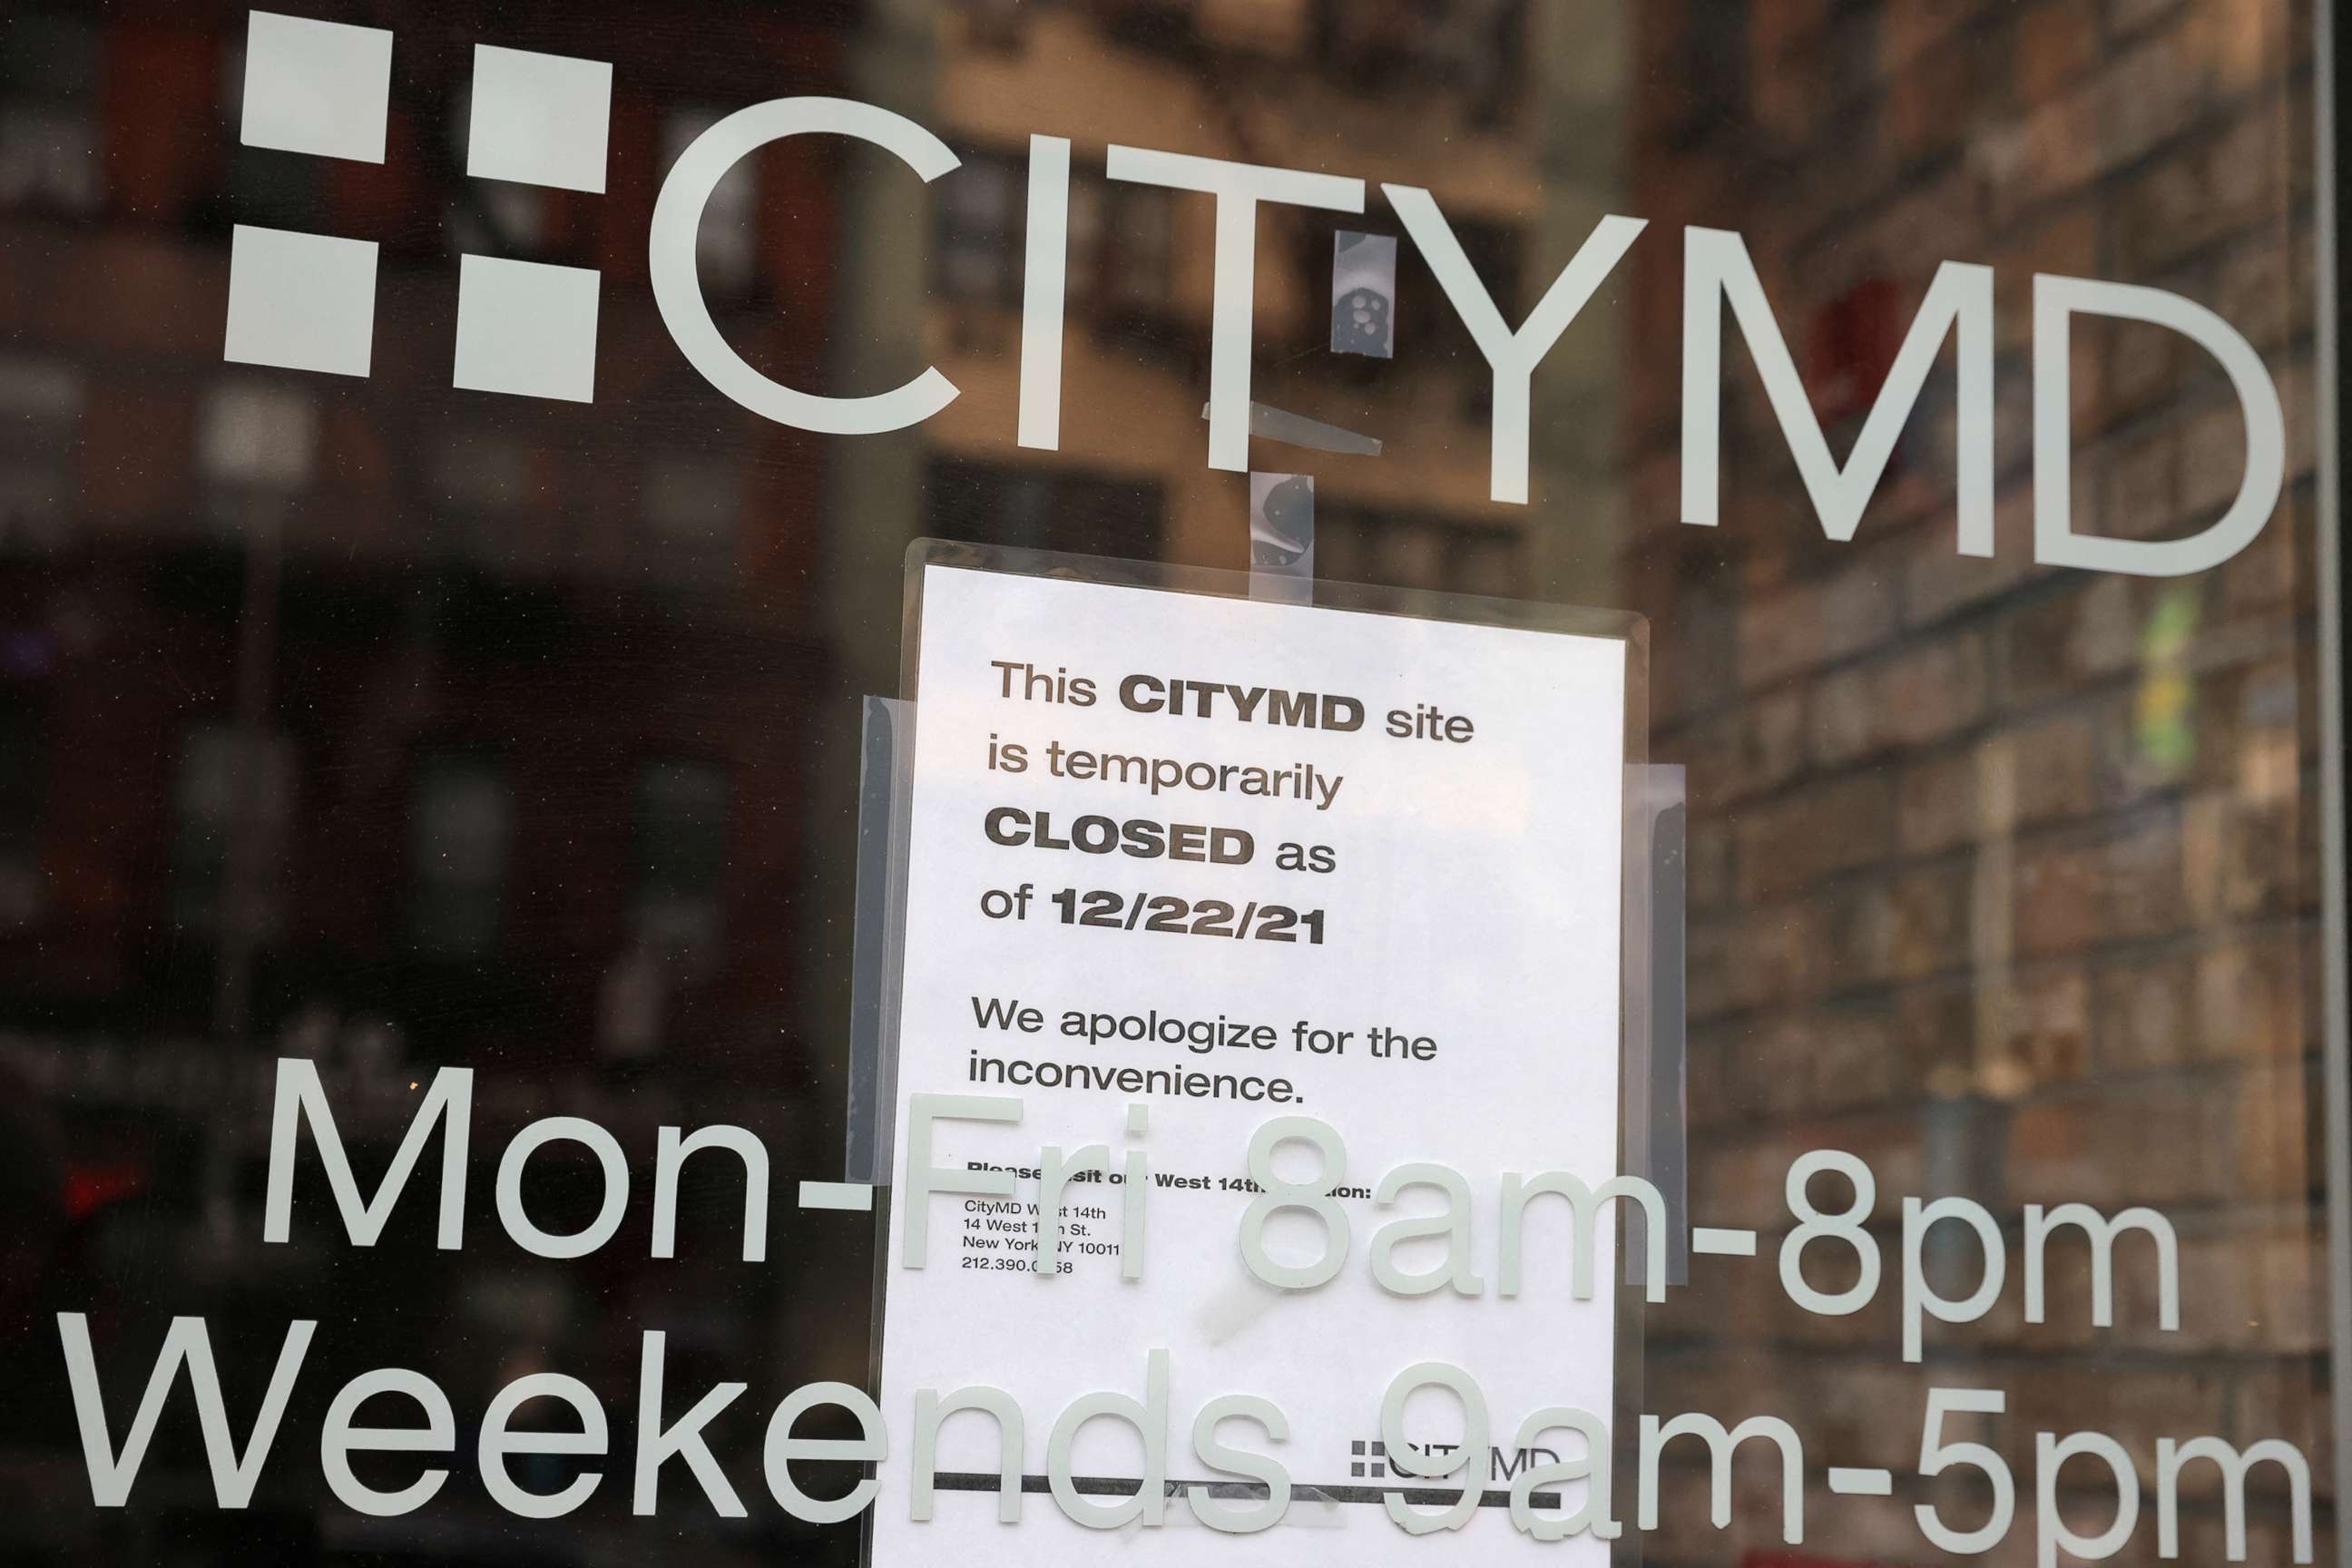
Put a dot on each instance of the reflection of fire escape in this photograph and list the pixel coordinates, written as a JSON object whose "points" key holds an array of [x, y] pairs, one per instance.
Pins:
{"points": [[1469, 46], [1171, 28], [1462, 43]]}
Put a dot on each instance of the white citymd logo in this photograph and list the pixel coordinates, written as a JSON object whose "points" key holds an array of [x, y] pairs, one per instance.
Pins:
{"points": [[306, 301]]}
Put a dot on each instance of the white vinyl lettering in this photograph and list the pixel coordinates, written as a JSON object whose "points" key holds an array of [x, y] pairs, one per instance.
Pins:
{"points": [[677, 288]]}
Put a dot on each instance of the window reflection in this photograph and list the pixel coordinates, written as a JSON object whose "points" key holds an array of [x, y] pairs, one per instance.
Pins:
{"points": [[48, 116], [678, 908], [460, 829], [395, 726]]}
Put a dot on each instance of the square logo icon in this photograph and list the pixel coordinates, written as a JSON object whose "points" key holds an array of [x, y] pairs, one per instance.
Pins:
{"points": [[541, 119], [301, 302], [320, 87], [526, 328]]}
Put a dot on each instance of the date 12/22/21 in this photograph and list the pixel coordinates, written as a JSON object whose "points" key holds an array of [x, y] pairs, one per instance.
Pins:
{"points": [[1163, 913], [1190, 917]]}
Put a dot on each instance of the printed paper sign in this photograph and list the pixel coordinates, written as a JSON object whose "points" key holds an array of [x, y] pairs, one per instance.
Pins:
{"points": [[1180, 867]]}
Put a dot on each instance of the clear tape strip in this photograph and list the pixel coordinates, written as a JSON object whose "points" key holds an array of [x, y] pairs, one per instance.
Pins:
{"points": [[885, 755], [1656, 1063]]}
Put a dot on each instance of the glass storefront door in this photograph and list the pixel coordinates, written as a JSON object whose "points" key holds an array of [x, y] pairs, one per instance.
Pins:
{"points": [[458, 470]]}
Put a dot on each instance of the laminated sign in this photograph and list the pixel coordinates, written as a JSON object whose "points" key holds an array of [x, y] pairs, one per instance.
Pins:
{"points": [[1258, 1078]]}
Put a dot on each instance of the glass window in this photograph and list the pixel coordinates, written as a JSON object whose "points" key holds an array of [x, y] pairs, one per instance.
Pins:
{"points": [[232, 809], [679, 902], [48, 116], [461, 830], [23, 809], [727, 242], [41, 403], [449, 634], [1040, 511]]}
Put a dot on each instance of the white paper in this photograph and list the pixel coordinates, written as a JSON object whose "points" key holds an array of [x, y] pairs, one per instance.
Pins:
{"points": [[1475, 903]]}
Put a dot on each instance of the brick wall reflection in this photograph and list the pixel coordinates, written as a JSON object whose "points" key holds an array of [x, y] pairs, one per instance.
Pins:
{"points": [[2003, 878]]}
